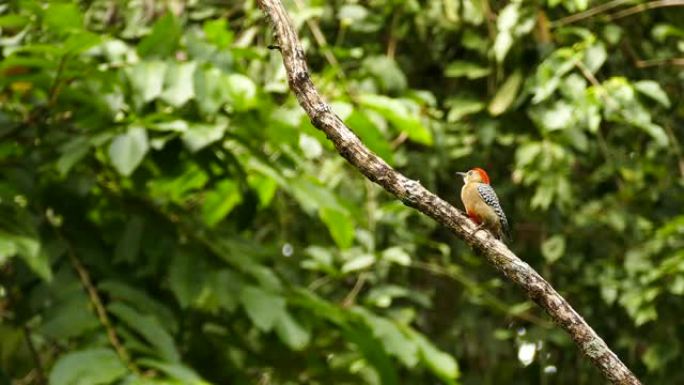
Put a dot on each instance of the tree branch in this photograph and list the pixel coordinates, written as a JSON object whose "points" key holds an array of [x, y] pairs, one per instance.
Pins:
{"points": [[413, 194]]}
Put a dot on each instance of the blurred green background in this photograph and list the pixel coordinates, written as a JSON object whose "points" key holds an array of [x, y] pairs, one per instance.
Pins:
{"points": [[168, 214]]}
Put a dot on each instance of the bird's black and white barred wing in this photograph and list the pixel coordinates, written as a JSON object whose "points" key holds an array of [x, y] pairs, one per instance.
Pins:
{"points": [[489, 196]]}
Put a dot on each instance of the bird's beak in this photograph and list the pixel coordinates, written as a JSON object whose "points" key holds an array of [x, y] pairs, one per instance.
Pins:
{"points": [[462, 175]]}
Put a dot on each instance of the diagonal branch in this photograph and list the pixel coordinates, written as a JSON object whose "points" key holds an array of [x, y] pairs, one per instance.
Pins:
{"points": [[413, 194]]}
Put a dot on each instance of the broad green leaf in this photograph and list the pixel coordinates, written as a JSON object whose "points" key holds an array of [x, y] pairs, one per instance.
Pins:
{"points": [[397, 255], [265, 309], [553, 248], [242, 92], [506, 94], [310, 146], [226, 286], [141, 300], [147, 79], [72, 152], [129, 244], [71, 315], [358, 262], [594, 57], [339, 224], [291, 332], [149, 328], [653, 90], [551, 118], [398, 112], [220, 202], [264, 186], [63, 17], [461, 106], [507, 19], [186, 277], [127, 150], [28, 248], [392, 337], [179, 83], [200, 135], [210, 92], [175, 370], [470, 70], [441, 363], [87, 367], [386, 71], [370, 134], [163, 39], [218, 33]]}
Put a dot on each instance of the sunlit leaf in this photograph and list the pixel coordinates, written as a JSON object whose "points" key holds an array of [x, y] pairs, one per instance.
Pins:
{"points": [[91, 366], [127, 150]]}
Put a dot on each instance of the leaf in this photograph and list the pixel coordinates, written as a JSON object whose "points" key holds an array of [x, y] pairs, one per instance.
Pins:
{"points": [[340, 225], [291, 332], [200, 135], [394, 341], [264, 308], [149, 328], [210, 92], [220, 202], [147, 79], [242, 92], [555, 117], [179, 83], [141, 300], [653, 90], [440, 363], [387, 72], [594, 57], [28, 248], [460, 68], [397, 255], [359, 262], [129, 244], [178, 371], [553, 248], [397, 112], [506, 94], [87, 367], [218, 33], [127, 150], [72, 152], [461, 106], [186, 278], [371, 135], [310, 146], [163, 39], [63, 17], [508, 18]]}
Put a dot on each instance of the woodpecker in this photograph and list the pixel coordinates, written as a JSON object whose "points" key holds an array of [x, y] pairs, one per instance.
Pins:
{"points": [[482, 204]]}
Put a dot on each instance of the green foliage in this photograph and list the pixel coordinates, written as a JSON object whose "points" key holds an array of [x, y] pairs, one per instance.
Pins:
{"points": [[152, 154]]}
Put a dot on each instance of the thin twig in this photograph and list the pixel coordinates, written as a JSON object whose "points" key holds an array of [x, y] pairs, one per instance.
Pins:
{"points": [[40, 372], [351, 297], [677, 148], [588, 13], [414, 195], [660, 62], [645, 7], [100, 310]]}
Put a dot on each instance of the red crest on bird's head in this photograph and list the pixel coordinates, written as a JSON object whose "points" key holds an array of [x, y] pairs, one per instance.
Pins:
{"points": [[483, 174]]}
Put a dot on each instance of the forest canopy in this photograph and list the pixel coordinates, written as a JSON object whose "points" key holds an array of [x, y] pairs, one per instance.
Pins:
{"points": [[170, 215]]}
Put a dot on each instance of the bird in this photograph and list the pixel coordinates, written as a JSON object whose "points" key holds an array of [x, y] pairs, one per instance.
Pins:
{"points": [[482, 205]]}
